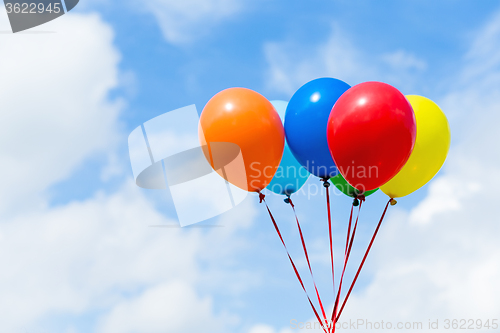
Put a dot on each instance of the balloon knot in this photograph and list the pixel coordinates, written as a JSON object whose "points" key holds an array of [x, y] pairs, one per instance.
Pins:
{"points": [[393, 202], [325, 182], [287, 200], [357, 199], [261, 197]]}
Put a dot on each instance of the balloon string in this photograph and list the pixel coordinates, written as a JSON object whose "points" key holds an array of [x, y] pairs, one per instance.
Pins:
{"points": [[308, 262], [348, 230], [262, 199], [326, 184], [363, 261], [346, 256]]}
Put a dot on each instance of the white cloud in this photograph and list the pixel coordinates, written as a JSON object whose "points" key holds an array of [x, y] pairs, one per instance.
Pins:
{"points": [[261, 328], [292, 64], [54, 103], [101, 255], [183, 21], [450, 191], [402, 60], [484, 54], [72, 258], [96, 258], [169, 307]]}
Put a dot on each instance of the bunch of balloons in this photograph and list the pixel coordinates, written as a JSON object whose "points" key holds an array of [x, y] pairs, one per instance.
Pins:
{"points": [[361, 138]]}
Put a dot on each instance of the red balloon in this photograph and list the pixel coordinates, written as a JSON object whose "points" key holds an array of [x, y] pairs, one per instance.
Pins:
{"points": [[371, 133]]}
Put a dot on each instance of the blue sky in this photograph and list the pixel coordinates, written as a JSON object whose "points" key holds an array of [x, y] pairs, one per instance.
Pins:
{"points": [[159, 75], [75, 242]]}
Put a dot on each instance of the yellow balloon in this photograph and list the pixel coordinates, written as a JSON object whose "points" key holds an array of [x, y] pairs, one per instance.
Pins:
{"points": [[430, 151]]}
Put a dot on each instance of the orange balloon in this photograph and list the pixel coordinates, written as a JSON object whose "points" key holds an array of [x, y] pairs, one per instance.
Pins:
{"points": [[240, 117]]}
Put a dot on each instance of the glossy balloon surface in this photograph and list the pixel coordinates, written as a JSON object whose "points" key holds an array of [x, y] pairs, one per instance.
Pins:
{"points": [[429, 153], [246, 118], [371, 134], [306, 121]]}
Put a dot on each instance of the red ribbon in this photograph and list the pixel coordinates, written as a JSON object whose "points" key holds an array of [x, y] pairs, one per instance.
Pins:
{"points": [[308, 262], [331, 236], [363, 261], [262, 199], [348, 247], [346, 257]]}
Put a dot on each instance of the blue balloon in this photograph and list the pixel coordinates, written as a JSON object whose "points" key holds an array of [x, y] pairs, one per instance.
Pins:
{"points": [[290, 175], [306, 121]]}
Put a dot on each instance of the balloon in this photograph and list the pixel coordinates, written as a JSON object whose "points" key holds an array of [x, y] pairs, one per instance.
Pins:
{"points": [[371, 133], [305, 124], [246, 118], [429, 154], [290, 175], [343, 186]]}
